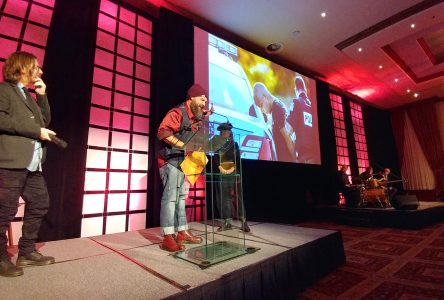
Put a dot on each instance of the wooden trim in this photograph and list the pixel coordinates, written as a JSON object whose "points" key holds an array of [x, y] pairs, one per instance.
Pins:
{"points": [[425, 47], [402, 15]]}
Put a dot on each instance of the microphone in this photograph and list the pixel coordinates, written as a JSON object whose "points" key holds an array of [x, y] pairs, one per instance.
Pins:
{"points": [[209, 112], [213, 112], [58, 141]]}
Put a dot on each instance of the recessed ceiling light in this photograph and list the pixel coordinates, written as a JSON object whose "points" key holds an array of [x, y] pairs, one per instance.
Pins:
{"points": [[360, 49], [274, 48], [380, 66], [415, 95], [323, 14], [396, 79], [412, 25], [408, 91]]}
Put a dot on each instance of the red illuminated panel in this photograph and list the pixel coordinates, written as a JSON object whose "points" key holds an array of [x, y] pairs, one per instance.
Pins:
{"points": [[120, 140], [142, 88], [105, 40], [16, 8], [128, 16], [143, 55], [102, 77], [144, 24], [36, 34], [137, 221], [125, 66], [93, 203], [118, 181], [98, 137], [141, 124], [142, 107], [115, 224], [7, 47], [92, 226], [104, 59], [117, 202], [125, 48], [107, 23], [101, 97], [139, 162], [122, 101], [140, 142], [96, 158], [121, 121], [124, 84], [137, 201], [340, 132], [359, 135], [41, 15], [10, 27], [95, 181], [127, 32], [143, 72], [139, 181], [119, 160], [143, 39], [38, 52], [49, 3], [118, 135], [109, 8], [99, 117]]}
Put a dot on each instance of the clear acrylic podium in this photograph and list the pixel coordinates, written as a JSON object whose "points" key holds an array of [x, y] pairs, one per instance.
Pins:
{"points": [[223, 192]]}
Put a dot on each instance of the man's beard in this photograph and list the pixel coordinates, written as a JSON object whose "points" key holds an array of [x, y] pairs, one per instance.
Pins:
{"points": [[197, 111]]}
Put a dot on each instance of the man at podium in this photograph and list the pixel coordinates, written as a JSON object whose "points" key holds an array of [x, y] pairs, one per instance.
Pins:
{"points": [[177, 127]]}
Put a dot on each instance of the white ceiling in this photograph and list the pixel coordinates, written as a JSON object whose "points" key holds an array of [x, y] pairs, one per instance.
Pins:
{"points": [[261, 22]]}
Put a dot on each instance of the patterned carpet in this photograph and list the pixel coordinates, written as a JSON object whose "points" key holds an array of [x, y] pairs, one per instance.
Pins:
{"points": [[384, 263]]}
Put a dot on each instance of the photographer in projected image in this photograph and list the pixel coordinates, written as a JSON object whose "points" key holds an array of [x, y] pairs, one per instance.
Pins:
{"points": [[229, 201], [23, 133], [283, 133], [301, 119]]}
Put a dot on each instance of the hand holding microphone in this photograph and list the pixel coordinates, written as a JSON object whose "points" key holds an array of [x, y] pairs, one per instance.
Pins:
{"points": [[58, 141], [49, 135]]}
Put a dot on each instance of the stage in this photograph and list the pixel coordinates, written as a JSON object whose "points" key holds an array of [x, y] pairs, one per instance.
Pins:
{"points": [[427, 213], [131, 265]]}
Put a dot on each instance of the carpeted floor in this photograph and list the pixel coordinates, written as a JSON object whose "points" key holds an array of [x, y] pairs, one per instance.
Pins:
{"points": [[384, 263]]}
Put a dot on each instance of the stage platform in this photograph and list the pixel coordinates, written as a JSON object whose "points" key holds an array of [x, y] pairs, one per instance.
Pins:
{"points": [[427, 213], [131, 265]]}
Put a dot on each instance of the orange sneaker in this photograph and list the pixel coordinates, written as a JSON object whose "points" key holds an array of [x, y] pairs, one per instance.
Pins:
{"points": [[169, 244], [185, 237]]}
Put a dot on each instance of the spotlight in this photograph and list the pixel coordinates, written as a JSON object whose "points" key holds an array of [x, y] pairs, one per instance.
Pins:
{"points": [[274, 48]]}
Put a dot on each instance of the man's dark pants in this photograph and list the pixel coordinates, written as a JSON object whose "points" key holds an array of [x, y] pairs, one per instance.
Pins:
{"points": [[32, 187]]}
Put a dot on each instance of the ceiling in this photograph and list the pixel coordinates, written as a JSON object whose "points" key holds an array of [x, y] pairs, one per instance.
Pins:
{"points": [[396, 60]]}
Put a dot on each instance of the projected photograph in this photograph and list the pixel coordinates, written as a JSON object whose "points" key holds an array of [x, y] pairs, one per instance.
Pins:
{"points": [[274, 107]]}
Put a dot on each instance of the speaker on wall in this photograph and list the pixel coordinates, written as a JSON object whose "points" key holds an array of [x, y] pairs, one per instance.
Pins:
{"points": [[405, 202]]}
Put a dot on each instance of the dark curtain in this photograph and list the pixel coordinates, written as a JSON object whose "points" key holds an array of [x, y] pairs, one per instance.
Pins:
{"points": [[173, 71], [425, 124], [381, 144], [324, 183], [68, 71], [398, 125]]}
